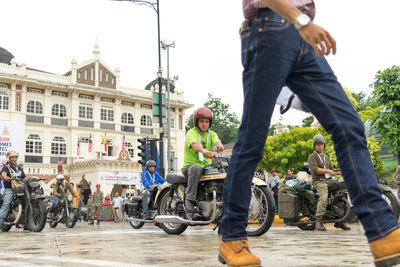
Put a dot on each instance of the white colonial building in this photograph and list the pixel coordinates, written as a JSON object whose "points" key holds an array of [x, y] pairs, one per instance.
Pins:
{"points": [[86, 102]]}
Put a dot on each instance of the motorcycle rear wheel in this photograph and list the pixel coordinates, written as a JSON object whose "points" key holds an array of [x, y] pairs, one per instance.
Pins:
{"points": [[136, 224], [169, 228], [266, 214], [37, 221], [393, 203]]}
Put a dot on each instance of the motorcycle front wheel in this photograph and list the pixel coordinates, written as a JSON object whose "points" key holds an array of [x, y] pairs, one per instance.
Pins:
{"points": [[37, 221], [392, 202], [71, 220], [261, 211], [169, 228]]}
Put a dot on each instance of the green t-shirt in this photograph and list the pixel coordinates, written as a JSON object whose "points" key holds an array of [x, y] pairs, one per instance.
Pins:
{"points": [[191, 156]]}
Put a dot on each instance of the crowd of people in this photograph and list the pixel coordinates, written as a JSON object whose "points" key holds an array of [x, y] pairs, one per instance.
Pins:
{"points": [[83, 197]]}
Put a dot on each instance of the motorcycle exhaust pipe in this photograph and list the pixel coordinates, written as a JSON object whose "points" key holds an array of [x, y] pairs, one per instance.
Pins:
{"points": [[138, 220]]}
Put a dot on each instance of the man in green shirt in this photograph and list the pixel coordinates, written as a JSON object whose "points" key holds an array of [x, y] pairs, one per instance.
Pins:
{"points": [[199, 142]]}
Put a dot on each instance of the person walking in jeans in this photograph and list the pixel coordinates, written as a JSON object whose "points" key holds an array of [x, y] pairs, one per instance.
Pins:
{"points": [[282, 46]]}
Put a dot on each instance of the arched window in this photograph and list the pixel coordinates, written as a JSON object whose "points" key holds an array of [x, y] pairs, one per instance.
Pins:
{"points": [[145, 120], [58, 146], [34, 107], [33, 144], [59, 110], [127, 118]]}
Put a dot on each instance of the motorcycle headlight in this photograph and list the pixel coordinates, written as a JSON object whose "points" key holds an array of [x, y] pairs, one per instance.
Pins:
{"points": [[34, 184], [70, 197]]}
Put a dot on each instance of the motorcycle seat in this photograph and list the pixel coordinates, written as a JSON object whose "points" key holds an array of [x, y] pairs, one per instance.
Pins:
{"points": [[176, 179]]}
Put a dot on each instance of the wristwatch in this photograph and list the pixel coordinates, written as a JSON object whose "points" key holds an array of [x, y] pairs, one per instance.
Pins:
{"points": [[302, 21]]}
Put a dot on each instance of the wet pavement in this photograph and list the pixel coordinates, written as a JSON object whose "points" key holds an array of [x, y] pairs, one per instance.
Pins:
{"points": [[117, 244]]}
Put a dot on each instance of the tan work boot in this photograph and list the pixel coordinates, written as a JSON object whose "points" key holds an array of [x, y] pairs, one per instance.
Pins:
{"points": [[237, 253], [319, 226], [386, 250]]}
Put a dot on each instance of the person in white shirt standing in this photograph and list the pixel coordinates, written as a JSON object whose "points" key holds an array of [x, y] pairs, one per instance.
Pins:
{"points": [[117, 205]]}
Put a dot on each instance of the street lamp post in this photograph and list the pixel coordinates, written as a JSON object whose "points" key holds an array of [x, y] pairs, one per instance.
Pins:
{"points": [[156, 8], [166, 46]]}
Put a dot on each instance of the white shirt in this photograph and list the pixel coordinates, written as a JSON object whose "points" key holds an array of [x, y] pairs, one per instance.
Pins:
{"points": [[117, 201]]}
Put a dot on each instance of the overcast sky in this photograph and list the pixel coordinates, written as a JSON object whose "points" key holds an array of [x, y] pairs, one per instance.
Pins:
{"points": [[47, 34]]}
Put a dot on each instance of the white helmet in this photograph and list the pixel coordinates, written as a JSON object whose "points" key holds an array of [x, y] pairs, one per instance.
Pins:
{"points": [[60, 177]]}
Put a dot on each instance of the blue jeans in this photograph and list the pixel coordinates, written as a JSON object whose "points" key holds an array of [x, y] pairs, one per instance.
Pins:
{"points": [[274, 55], [56, 200], [5, 208], [146, 200]]}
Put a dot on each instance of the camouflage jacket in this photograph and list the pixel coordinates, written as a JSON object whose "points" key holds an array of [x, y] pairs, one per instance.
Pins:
{"points": [[98, 198]]}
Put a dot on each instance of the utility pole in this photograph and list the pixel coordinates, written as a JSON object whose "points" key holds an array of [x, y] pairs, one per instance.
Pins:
{"points": [[156, 8]]}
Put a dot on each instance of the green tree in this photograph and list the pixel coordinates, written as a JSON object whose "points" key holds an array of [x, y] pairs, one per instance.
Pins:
{"points": [[364, 102], [308, 121], [225, 123], [368, 113], [288, 149], [387, 120]]}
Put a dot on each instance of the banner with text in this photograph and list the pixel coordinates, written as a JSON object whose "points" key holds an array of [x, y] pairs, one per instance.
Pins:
{"points": [[128, 178], [12, 136]]}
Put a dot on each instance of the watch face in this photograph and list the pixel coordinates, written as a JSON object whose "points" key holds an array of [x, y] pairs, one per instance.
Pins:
{"points": [[303, 20]]}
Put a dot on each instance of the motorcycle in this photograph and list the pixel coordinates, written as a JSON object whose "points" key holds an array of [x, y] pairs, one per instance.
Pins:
{"points": [[390, 198], [298, 203], [168, 211], [27, 207], [65, 212]]}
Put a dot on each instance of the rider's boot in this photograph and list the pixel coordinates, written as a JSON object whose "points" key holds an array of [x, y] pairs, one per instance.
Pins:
{"points": [[319, 226], [91, 222], [342, 225], [237, 253], [386, 250], [189, 206]]}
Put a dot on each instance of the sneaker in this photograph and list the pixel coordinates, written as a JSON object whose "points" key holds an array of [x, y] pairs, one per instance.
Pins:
{"points": [[237, 253], [386, 250]]}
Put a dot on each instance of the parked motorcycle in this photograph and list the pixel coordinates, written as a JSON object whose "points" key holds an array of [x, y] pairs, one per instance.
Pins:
{"points": [[390, 198], [298, 204], [168, 211], [65, 212], [28, 207]]}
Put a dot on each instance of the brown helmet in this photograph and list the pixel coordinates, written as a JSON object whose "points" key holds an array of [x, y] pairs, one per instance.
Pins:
{"points": [[202, 113]]}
